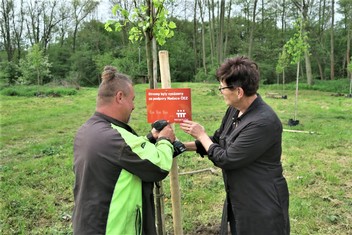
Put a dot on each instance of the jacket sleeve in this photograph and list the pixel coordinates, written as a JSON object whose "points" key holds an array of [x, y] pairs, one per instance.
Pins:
{"points": [[137, 155], [200, 148]]}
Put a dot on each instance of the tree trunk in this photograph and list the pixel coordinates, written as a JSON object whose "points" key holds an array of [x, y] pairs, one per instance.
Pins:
{"points": [[296, 96], [308, 68], [6, 13], [195, 35], [321, 72], [303, 7], [221, 31], [348, 55], [203, 38], [81, 9], [211, 29], [155, 63], [283, 22], [148, 34], [18, 28], [228, 20], [251, 32], [332, 60], [38, 76], [148, 52]]}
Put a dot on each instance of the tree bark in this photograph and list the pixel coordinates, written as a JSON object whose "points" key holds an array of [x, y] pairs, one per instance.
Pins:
{"points": [[211, 29], [203, 38], [155, 63], [221, 31], [195, 35], [252, 27], [227, 27], [303, 7], [18, 30], [148, 52], [348, 55], [332, 54], [7, 10]]}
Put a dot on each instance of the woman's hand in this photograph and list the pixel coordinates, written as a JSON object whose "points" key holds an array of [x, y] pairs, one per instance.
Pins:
{"points": [[197, 131], [192, 128]]}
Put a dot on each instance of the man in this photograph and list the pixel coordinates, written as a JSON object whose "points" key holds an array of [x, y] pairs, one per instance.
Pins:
{"points": [[114, 167], [247, 147]]}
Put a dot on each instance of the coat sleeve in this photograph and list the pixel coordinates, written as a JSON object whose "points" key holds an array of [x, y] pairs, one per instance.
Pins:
{"points": [[252, 143]]}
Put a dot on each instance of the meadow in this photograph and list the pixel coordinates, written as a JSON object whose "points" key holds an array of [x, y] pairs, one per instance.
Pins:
{"points": [[36, 156]]}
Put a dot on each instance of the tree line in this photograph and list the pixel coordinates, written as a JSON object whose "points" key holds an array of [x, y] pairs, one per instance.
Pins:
{"points": [[68, 42]]}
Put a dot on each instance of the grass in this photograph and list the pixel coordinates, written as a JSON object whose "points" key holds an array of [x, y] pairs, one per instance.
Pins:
{"points": [[36, 154]]}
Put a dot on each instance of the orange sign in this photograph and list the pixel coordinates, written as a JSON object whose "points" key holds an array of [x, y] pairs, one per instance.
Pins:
{"points": [[173, 105]]}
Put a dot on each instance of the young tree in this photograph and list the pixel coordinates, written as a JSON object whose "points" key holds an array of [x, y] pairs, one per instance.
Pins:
{"points": [[148, 21], [35, 66], [296, 48], [282, 63]]}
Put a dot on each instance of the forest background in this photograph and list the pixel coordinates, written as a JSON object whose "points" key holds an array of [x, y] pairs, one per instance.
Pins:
{"points": [[65, 42]]}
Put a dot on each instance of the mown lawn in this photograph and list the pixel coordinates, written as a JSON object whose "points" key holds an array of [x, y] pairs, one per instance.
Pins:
{"points": [[36, 175]]}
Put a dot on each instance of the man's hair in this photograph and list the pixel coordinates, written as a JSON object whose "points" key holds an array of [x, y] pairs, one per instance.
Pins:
{"points": [[112, 82], [240, 72]]}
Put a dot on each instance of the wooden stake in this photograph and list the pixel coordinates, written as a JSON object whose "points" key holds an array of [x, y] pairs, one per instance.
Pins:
{"points": [[159, 208], [174, 185], [298, 131], [212, 170]]}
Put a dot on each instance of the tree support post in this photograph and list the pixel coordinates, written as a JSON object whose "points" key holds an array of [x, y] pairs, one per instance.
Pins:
{"points": [[174, 183]]}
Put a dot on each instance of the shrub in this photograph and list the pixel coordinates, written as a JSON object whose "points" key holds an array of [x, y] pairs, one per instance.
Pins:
{"points": [[40, 91]]}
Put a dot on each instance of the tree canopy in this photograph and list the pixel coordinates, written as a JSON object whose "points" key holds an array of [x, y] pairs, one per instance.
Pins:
{"points": [[198, 35]]}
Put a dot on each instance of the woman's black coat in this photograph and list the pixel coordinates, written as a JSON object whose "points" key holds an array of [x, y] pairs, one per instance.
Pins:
{"points": [[248, 150]]}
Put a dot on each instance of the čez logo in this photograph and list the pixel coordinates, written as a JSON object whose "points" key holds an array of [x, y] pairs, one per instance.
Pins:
{"points": [[181, 113]]}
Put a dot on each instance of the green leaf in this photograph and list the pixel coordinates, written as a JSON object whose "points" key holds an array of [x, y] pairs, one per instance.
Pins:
{"points": [[115, 9], [125, 13], [172, 25]]}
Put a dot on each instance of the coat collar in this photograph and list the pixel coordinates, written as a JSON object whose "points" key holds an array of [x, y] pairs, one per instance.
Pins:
{"points": [[115, 122], [257, 102]]}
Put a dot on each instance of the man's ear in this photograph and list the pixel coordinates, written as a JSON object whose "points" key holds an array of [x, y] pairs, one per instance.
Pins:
{"points": [[119, 96]]}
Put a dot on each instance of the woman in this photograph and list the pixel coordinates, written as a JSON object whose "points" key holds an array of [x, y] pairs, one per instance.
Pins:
{"points": [[247, 147]]}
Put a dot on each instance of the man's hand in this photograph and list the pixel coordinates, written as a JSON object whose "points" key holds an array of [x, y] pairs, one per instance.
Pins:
{"points": [[159, 124], [161, 128], [167, 132]]}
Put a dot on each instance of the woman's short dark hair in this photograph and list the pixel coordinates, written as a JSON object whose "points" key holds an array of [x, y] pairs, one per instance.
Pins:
{"points": [[240, 72]]}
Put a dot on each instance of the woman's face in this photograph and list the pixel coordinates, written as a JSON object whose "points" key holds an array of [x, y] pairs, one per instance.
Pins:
{"points": [[230, 94]]}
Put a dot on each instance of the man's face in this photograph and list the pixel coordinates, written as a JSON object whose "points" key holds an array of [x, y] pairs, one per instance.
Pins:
{"points": [[129, 103]]}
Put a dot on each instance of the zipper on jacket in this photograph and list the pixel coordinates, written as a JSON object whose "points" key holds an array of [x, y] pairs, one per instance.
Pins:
{"points": [[138, 221]]}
